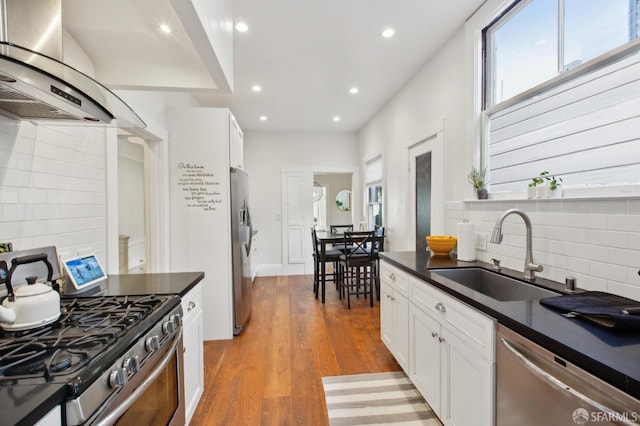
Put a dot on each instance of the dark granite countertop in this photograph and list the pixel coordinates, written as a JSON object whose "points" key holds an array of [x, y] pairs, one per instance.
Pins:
{"points": [[132, 284], [26, 404], [612, 356]]}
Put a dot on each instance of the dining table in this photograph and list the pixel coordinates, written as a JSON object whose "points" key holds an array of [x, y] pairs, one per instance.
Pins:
{"points": [[324, 240]]}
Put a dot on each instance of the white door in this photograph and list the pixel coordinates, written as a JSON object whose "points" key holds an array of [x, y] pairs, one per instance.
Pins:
{"points": [[297, 198]]}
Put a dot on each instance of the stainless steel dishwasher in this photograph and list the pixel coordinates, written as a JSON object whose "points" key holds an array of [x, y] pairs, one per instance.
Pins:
{"points": [[536, 387]]}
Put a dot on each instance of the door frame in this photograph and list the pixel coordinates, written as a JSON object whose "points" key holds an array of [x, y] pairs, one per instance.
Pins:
{"points": [[306, 268], [156, 197]]}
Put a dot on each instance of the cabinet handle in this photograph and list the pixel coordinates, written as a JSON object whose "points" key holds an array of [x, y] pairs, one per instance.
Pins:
{"points": [[191, 306], [441, 339], [392, 277], [434, 334], [441, 308]]}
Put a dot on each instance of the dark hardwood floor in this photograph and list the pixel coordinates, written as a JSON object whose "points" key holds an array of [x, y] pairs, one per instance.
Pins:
{"points": [[271, 374]]}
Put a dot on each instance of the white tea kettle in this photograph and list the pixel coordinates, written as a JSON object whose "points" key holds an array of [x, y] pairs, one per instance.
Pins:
{"points": [[32, 305]]}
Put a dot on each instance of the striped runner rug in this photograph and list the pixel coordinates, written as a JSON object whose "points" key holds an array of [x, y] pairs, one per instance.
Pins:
{"points": [[380, 398]]}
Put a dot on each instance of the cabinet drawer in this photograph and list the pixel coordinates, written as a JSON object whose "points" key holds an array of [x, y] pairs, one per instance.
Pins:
{"points": [[191, 303], [393, 276], [476, 329]]}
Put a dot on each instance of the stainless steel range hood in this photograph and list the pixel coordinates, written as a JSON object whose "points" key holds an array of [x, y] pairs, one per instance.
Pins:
{"points": [[34, 82]]}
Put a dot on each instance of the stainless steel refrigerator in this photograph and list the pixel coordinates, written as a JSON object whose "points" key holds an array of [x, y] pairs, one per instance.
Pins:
{"points": [[241, 237]]}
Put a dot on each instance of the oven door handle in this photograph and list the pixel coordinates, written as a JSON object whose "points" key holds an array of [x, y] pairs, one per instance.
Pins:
{"points": [[118, 411]]}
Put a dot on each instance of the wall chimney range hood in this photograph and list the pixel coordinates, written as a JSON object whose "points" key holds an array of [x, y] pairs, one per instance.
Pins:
{"points": [[34, 82]]}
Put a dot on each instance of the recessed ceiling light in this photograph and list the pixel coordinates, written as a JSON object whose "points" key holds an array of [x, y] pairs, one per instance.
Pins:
{"points": [[354, 90], [256, 88], [388, 32], [242, 27], [165, 28], [263, 118], [336, 118]]}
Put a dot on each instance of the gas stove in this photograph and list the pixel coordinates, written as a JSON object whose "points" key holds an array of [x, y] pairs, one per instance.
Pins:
{"points": [[96, 347]]}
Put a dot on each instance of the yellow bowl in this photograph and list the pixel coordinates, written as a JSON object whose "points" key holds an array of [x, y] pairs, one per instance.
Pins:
{"points": [[441, 245]]}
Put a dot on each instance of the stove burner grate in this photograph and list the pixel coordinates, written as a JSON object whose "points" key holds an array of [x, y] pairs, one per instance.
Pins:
{"points": [[86, 328]]}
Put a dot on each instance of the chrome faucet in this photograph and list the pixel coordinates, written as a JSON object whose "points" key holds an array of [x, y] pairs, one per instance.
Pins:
{"points": [[530, 268]]}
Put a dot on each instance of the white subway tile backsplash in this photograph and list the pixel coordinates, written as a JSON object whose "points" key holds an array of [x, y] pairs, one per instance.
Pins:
{"points": [[597, 241], [623, 257], [610, 206], [52, 185], [623, 222], [608, 238], [608, 271]]}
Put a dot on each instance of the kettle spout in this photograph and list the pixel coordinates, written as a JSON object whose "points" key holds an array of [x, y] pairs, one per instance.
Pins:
{"points": [[7, 315]]}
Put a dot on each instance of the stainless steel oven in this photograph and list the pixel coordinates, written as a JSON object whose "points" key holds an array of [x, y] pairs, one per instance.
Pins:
{"points": [[144, 385], [156, 398]]}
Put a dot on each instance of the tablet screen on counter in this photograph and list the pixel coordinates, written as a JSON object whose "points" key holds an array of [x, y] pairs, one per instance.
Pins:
{"points": [[84, 272]]}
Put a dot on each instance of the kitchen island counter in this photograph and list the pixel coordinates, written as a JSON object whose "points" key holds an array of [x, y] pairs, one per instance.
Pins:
{"points": [[610, 355], [26, 404]]}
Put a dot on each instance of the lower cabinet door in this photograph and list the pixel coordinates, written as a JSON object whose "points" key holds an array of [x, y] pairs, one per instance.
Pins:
{"points": [[401, 330], [467, 398], [386, 315], [425, 356], [193, 364]]}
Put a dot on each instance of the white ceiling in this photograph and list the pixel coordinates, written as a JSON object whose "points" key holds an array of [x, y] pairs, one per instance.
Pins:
{"points": [[305, 54]]}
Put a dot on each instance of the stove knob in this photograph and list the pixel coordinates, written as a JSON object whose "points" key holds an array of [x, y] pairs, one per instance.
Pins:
{"points": [[118, 378], [177, 320], [169, 327], [131, 364], [153, 343]]}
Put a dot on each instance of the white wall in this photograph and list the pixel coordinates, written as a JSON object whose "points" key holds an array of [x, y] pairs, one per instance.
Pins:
{"points": [[598, 241], [266, 154], [434, 94]]}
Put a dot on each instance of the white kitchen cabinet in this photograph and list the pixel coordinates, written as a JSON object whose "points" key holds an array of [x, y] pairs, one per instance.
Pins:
{"points": [[394, 312], [52, 418], [451, 356], [236, 143], [193, 350]]}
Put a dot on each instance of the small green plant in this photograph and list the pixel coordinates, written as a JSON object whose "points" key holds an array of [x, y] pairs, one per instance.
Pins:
{"points": [[477, 178], [538, 180], [553, 181]]}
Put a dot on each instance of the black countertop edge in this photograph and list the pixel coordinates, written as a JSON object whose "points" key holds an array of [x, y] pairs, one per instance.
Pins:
{"points": [[26, 404], [179, 283], [29, 403], [609, 355]]}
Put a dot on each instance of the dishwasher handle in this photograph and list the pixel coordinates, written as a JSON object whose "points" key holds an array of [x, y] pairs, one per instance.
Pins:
{"points": [[558, 384]]}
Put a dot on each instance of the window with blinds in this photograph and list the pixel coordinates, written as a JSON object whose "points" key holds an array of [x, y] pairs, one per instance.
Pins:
{"points": [[583, 124]]}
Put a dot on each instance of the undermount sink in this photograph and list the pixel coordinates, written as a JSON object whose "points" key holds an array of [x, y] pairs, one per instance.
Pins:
{"points": [[494, 285]]}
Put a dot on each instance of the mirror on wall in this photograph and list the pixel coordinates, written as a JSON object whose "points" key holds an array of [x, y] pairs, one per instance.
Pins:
{"points": [[343, 200]]}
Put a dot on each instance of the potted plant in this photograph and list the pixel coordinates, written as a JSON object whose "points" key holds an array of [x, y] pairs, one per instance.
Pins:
{"points": [[554, 186], [537, 189], [535, 183], [477, 178]]}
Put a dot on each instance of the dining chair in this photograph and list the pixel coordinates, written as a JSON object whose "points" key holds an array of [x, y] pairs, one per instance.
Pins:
{"points": [[379, 246], [338, 229], [358, 266], [323, 255]]}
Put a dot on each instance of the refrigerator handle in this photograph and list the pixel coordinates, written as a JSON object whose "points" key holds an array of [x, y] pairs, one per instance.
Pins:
{"points": [[249, 229]]}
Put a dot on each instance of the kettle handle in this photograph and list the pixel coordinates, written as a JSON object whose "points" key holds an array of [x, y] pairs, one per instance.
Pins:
{"points": [[32, 258]]}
